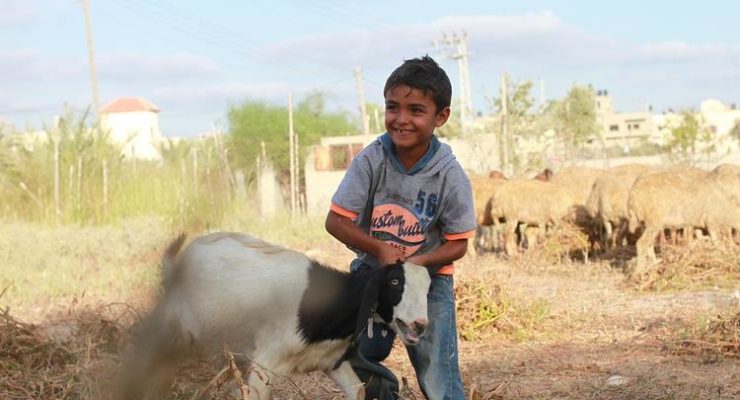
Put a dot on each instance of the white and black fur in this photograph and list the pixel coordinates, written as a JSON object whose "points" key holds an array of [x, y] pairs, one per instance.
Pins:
{"points": [[280, 311]]}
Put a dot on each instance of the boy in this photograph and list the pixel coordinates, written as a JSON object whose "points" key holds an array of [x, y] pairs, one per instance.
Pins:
{"points": [[405, 197]]}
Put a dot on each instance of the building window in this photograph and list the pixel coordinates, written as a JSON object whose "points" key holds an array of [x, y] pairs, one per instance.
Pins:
{"points": [[613, 128], [335, 157]]}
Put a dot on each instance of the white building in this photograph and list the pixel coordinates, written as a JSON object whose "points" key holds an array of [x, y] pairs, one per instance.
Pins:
{"points": [[133, 123]]}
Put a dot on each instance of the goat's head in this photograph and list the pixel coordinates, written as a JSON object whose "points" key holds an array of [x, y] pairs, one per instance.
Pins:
{"points": [[398, 294]]}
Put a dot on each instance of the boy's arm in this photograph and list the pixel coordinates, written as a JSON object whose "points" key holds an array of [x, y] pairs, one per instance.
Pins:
{"points": [[345, 230], [447, 253]]}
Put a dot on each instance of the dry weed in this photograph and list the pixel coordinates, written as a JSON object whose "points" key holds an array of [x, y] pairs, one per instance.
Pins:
{"points": [[710, 339], [702, 263], [485, 310]]}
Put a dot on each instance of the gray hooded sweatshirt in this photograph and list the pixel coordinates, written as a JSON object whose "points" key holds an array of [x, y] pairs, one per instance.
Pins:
{"points": [[417, 209]]}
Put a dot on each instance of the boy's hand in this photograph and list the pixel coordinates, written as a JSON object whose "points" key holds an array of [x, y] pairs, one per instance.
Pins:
{"points": [[388, 255]]}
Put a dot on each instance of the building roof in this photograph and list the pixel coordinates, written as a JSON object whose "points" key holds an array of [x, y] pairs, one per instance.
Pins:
{"points": [[128, 104]]}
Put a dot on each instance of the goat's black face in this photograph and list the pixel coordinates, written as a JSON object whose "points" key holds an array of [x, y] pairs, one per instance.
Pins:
{"points": [[402, 301], [391, 291]]}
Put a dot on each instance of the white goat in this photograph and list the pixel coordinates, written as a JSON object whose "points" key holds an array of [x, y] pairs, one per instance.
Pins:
{"points": [[279, 311]]}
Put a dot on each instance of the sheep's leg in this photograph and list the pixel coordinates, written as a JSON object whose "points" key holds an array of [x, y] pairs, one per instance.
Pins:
{"points": [[646, 245], [510, 236], [473, 244], [488, 237], [497, 236], [531, 233], [347, 379], [621, 234], [541, 231], [609, 235]]}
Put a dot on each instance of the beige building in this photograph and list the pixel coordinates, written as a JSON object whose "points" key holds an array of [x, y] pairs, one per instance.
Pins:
{"points": [[133, 123], [623, 129]]}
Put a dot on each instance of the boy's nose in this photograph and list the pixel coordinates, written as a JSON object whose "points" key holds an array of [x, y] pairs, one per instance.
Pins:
{"points": [[402, 117]]}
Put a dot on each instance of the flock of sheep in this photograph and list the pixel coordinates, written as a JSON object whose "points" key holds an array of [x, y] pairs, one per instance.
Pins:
{"points": [[625, 204]]}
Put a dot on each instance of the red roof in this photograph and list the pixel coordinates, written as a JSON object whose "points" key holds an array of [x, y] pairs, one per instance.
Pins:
{"points": [[129, 104]]}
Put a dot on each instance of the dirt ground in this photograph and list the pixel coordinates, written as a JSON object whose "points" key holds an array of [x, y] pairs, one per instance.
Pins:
{"points": [[602, 339], [590, 335]]}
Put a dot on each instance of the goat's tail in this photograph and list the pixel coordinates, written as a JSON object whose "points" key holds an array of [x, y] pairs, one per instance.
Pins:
{"points": [[169, 265]]}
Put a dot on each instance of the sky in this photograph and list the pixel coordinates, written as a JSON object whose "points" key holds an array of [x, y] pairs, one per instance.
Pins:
{"points": [[195, 59]]}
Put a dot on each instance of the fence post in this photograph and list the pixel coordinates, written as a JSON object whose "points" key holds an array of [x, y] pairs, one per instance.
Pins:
{"points": [[105, 189], [57, 194]]}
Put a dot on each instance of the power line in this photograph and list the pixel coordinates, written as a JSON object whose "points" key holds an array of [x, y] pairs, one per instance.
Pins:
{"points": [[199, 31]]}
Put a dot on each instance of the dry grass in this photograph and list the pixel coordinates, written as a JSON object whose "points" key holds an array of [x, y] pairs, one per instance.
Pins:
{"points": [[531, 328], [708, 338], [485, 310], [703, 263], [69, 358]]}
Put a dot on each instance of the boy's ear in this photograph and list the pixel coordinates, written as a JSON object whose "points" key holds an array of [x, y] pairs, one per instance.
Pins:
{"points": [[441, 117]]}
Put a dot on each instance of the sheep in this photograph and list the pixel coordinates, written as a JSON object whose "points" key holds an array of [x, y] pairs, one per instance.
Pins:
{"points": [[676, 198], [529, 201], [579, 181], [483, 188], [280, 311], [607, 201], [545, 175], [727, 176]]}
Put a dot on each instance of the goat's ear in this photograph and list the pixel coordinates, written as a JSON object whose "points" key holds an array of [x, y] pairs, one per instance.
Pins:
{"points": [[369, 303], [369, 300]]}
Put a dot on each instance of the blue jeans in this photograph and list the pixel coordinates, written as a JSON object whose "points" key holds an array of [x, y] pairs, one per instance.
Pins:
{"points": [[434, 357]]}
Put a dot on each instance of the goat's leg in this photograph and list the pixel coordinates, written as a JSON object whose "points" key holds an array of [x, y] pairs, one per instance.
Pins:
{"points": [[345, 377], [259, 384]]}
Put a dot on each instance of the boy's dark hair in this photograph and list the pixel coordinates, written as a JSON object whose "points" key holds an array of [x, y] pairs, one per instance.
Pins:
{"points": [[423, 74]]}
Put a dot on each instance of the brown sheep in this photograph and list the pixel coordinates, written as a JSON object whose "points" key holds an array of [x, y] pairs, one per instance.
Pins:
{"points": [[578, 181], [676, 198], [545, 175], [727, 176], [607, 201], [531, 202], [483, 188]]}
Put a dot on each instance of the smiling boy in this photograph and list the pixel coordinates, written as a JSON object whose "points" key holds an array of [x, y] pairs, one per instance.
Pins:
{"points": [[405, 197]]}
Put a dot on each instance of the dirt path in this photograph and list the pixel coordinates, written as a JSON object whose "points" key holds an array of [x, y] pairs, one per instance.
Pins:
{"points": [[602, 340]]}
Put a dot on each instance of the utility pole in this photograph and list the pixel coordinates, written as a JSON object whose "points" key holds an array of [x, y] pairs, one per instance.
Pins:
{"points": [[91, 57], [291, 140], [460, 53], [363, 106], [504, 127]]}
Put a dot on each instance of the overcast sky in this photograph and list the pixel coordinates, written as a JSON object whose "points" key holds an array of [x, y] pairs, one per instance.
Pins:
{"points": [[194, 58]]}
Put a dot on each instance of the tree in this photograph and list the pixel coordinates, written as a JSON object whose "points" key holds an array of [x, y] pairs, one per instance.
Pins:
{"points": [[574, 117], [520, 120], [684, 135], [256, 121], [735, 131]]}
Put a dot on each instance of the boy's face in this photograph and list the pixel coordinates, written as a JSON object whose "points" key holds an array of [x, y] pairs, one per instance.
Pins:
{"points": [[410, 117]]}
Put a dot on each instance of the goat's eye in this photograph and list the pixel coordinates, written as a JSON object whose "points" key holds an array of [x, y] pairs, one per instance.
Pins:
{"points": [[394, 282]]}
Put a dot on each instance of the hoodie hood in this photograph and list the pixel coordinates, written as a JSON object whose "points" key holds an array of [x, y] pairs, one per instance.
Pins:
{"points": [[436, 158]]}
